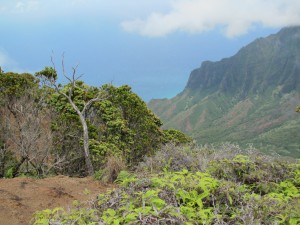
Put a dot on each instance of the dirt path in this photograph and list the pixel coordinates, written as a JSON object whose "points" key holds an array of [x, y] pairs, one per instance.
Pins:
{"points": [[21, 197]]}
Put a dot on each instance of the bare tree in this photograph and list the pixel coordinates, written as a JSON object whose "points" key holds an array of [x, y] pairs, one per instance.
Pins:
{"points": [[50, 74], [26, 131]]}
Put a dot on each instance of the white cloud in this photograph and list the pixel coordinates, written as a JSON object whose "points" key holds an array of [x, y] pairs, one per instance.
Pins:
{"points": [[19, 7], [235, 17], [26, 6]]}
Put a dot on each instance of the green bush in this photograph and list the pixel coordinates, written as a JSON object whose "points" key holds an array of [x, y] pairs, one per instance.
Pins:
{"points": [[175, 136], [239, 189]]}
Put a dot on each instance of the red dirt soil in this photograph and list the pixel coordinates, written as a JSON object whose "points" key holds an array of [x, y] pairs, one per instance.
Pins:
{"points": [[21, 197]]}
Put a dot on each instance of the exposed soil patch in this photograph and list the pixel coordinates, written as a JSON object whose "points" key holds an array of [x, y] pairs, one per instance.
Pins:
{"points": [[21, 197]]}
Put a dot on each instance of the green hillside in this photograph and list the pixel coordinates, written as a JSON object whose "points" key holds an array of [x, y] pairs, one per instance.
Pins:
{"points": [[250, 97]]}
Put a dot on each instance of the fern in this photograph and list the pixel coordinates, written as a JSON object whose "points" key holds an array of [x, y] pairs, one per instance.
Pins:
{"points": [[125, 178]]}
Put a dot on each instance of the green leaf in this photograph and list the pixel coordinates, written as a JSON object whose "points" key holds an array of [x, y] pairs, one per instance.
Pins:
{"points": [[131, 217], [150, 194]]}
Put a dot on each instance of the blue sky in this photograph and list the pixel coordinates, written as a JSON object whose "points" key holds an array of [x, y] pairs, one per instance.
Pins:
{"points": [[152, 45]]}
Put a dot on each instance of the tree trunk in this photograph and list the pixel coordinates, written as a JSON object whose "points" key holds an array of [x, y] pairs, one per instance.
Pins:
{"points": [[88, 162], [86, 151]]}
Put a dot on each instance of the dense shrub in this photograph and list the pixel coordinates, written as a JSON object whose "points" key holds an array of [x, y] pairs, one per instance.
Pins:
{"points": [[184, 198], [176, 137], [239, 187], [197, 158]]}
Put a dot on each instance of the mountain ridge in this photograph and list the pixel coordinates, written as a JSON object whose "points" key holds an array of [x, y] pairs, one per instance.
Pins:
{"points": [[247, 98]]}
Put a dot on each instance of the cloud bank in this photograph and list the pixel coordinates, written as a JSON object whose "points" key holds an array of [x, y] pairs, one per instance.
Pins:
{"points": [[233, 17]]}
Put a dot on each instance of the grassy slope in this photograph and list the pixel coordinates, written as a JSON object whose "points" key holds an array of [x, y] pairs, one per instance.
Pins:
{"points": [[269, 123], [248, 98]]}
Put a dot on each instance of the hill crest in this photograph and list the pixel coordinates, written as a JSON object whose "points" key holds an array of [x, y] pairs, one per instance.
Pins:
{"points": [[247, 98]]}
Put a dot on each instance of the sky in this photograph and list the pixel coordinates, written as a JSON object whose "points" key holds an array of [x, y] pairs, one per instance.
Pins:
{"points": [[151, 45]]}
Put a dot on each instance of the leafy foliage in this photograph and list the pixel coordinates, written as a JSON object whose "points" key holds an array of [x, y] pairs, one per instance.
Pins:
{"points": [[255, 190], [139, 130], [48, 72], [176, 136], [121, 125], [14, 85]]}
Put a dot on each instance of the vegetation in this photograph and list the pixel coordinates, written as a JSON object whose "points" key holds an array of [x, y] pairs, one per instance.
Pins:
{"points": [[247, 98], [25, 137], [73, 129], [227, 186], [162, 176], [87, 96], [176, 136]]}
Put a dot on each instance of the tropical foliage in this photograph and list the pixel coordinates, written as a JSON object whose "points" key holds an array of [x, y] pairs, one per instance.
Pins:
{"points": [[159, 180], [235, 188], [47, 126]]}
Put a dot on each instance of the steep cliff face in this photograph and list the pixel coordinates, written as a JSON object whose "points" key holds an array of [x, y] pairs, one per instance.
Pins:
{"points": [[263, 64], [247, 98]]}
